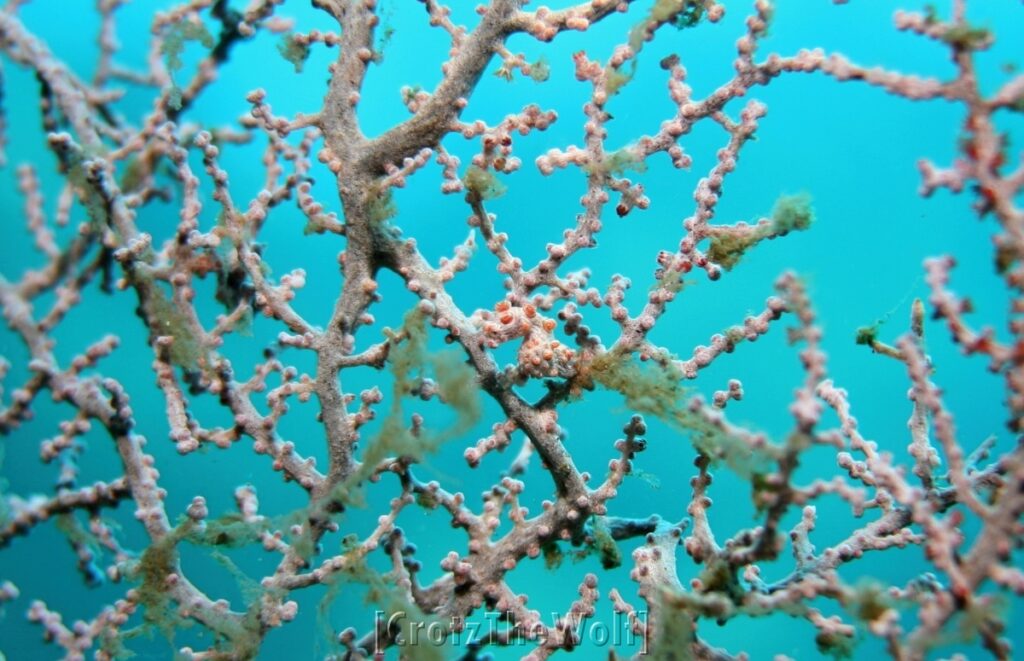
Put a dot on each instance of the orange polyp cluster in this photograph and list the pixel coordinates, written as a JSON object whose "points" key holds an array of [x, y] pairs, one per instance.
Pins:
{"points": [[540, 355]]}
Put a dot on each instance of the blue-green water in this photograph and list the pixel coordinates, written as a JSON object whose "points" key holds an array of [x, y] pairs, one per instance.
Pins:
{"points": [[853, 148]]}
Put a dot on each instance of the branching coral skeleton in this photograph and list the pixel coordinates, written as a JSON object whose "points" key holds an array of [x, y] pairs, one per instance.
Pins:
{"points": [[115, 167]]}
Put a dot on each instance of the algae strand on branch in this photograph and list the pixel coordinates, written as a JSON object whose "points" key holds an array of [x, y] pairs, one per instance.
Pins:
{"points": [[655, 387], [411, 363], [730, 243]]}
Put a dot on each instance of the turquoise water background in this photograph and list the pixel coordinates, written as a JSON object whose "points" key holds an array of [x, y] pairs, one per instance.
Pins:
{"points": [[853, 148]]}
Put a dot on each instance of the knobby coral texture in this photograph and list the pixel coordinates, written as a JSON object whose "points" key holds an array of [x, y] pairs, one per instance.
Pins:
{"points": [[337, 392]]}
